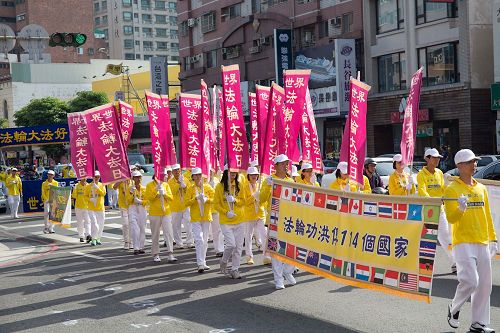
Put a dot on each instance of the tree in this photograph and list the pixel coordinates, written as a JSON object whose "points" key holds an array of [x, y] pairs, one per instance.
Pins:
{"points": [[85, 100], [43, 111], [4, 123]]}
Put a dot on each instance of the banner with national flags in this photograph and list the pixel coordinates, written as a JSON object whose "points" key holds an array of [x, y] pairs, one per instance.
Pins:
{"points": [[493, 187], [370, 241]]}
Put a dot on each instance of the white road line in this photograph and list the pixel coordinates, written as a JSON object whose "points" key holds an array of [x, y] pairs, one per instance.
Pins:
{"points": [[88, 255], [58, 237], [24, 226], [3, 248]]}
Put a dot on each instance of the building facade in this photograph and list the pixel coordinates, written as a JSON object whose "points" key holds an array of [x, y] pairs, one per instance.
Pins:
{"points": [[138, 29]]}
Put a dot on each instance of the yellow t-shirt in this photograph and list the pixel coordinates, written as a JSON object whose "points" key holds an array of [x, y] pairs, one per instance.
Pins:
{"points": [[14, 185], [139, 194], [154, 199], [221, 205], [305, 182], [254, 210], [123, 189], [194, 206], [398, 182], [366, 185], [266, 191], [95, 196], [430, 184], [46, 189], [340, 184], [79, 196], [179, 194]]}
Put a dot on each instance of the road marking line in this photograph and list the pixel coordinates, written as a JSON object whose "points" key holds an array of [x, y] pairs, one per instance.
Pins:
{"points": [[24, 226], [58, 237], [88, 255]]}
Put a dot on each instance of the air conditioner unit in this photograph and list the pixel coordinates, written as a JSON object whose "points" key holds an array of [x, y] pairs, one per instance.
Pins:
{"points": [[264, 41], [196, 58], [79, 50], [255, 49], [336, 21], [191, 22]]}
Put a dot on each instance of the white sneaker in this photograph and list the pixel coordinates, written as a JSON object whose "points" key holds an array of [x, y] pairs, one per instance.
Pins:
{"points": [[171, 258], [207, 268], [280, 285], [480, 328], [157, 258], [201, 269], [453, 320], [125, 246], [235, 274], [290, 279]]}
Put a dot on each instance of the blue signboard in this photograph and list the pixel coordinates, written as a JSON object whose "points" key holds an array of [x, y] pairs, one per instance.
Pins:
{"points": [[35, 135], [282, 52]]}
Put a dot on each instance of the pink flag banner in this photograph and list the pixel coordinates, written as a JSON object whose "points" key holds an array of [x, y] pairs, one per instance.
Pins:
{"points": [[296, 82], [262, 97], [107, 145], [277, 107], [270, 148], [171, 154], [190, 131], [236, 138], [213, 132], [409, 134], [126, 122], [221, 150], [158, 131], [344, 146], [206, 132], [315, 153], [305, 137], [81, 151], [252, 98], [357, 129]]}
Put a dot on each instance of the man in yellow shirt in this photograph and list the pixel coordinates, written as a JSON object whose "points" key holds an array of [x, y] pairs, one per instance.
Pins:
{"points": [[180, 213], [474, 243], [137, 213], [123, 188], [15, 191], [49, 227], [81, 212], [95, 192]]}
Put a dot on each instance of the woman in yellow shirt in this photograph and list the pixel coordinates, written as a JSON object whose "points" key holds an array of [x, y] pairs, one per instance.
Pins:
{"points": [[342, 182], [14, 191], [137, 214], [306, 175], [400, 182], [95, 193], [81, 212]]}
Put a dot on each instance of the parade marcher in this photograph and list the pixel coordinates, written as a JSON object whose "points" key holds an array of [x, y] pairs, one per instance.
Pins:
{"points": [[295, 174], [400, 182], [3, 177], [180, 213], [254, 213], [95, 192], [342, 181], [216, 232], [123, 188], [474, 243], [159, 198], [431, 183], [112, 196], [168, 174], [81, 211], [306, 175], [281, 271], [137, 214], [15, 191], [48, 226], [370, 172], [229, 201], [199, 198]]}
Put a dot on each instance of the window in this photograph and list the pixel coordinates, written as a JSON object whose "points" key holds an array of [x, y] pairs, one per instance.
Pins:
{"points": [[160, 5], [174, 46], [172, 20], [7, 19], [145, 4], [106, 33], [105, 19], [184, 29], [211, 59], [96, 7], [186, 63], [97, 21], [21, 17], [174, 58], [147, 56], [148, 46], [208, 22], [138, 56], [174, 34], [441, 64], [392, 72], [231, 52], [127, 3], [390, 15], [128, 43], [275, 2], [138, 43], [161, 19], [8, 3], [128, 30], [129, 56], [231, 12], [172, 5], [147, 32], [127, 16], [104, 5], [346, 23], [161, 32], [432, 11], [146, 18], [161, 45]]}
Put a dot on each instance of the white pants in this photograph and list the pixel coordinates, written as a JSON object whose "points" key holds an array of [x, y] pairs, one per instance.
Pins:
{"points": [[137, 219], [159, 223], [179, 219], [125, 226], [200, 234], [218, 238], [474, 280], [46, 212], [280, 269], [82, 222], [14, 204], [112, 197], [444, 235], [260, 231], [234, 234], [96, 223]]}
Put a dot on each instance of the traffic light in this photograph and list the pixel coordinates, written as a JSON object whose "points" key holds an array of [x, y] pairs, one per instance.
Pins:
{"points": [[67, 39]]}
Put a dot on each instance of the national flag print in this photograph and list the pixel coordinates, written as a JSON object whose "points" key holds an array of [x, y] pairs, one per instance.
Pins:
{"points": [[337, 266], [377, 275], [355, 206], [319, 200], [325, 262], [424, 284], [332, 202], [300, 254], [307, 198], [370, 208], [272, 244], [427, 249], [290, 251], [425, 266], [286, 193], [344, 205], [429, 231], [408, 281], [282, 247], [391, 278], [399, 211], [431, 213], [415, 212], [385, 210], [349, 269], [273, 217], [362, 272], [275, 204], [312, 258], [296, 195], [272, 230], [276, 190]]}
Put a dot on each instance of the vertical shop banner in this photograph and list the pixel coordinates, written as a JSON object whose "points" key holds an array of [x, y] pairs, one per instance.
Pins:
{"points": [[236, 137], [409, 134], [254, 126], [316, 160], [158, 131], [190, 131], [357, 130], [221, 130], [206, 131], [282, 53], [126, 112], [107, 144], [60, 205], [270, 148], [159, 75], [296, 82], [345, 63], [171, 154], [82, 156], [262, 97]]}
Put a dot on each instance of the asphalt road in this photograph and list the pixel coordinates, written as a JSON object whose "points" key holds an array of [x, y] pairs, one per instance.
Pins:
{"points": [[52, 283]]}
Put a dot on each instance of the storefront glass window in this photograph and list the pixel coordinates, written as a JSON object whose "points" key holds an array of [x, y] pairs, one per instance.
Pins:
{"points": [[441, 64], [390, 15], [428, 11], [392, 72]]}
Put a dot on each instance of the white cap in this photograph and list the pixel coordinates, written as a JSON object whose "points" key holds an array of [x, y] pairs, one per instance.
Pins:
{"points": [[136, 173], [14, 169], [294, 171], [254, 163], [342, 166], [131, 167], [433, 152], [306, 166], [51, 172], [176, 166], [397, 158], [465, 155], [281, 158], [97, 173], [252, 171], [167, 169], [195, 171]]}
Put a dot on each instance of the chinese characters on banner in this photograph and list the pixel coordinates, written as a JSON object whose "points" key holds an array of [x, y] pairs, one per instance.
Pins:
{"points": [[221, 136], [214, 144], [283, 52], [81, 152], [345, 64], [171, 155], [45, 134], [254, 126], [206, 132], [262, 97], [158, 125], [270, 148], [315, 152], [60, 205], [105, 137], [409, 134], [277, 106], [236, 138], [357, 130], [190, 131], [126, 122]]}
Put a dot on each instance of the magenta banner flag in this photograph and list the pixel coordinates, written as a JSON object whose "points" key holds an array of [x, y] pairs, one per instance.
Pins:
{"points": [[82, 156], [126, 112], [262, 97], [344, 146], [270, 147], [315, 153], [357, 130], [107, 145], [277, 106], [171, 155], [158, 131], [206, 132], [252, 99], [236, 138], [213, 132], [409, 134], [305, 137], [190, 131], [221, 129]]}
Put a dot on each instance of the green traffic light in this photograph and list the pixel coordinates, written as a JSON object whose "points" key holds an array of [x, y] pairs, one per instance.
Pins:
{"points": [[67, 39], [80, 39]]}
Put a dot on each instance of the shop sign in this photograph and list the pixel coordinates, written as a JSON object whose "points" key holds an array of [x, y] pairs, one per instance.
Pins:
{"points": [[35, 135], [397, 117], [425, 130], [283, 53], [495, 96]]}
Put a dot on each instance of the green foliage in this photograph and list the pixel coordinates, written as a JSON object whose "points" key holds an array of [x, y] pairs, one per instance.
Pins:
{"points": [[87, 100], [4, 123], [43, 111]]}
